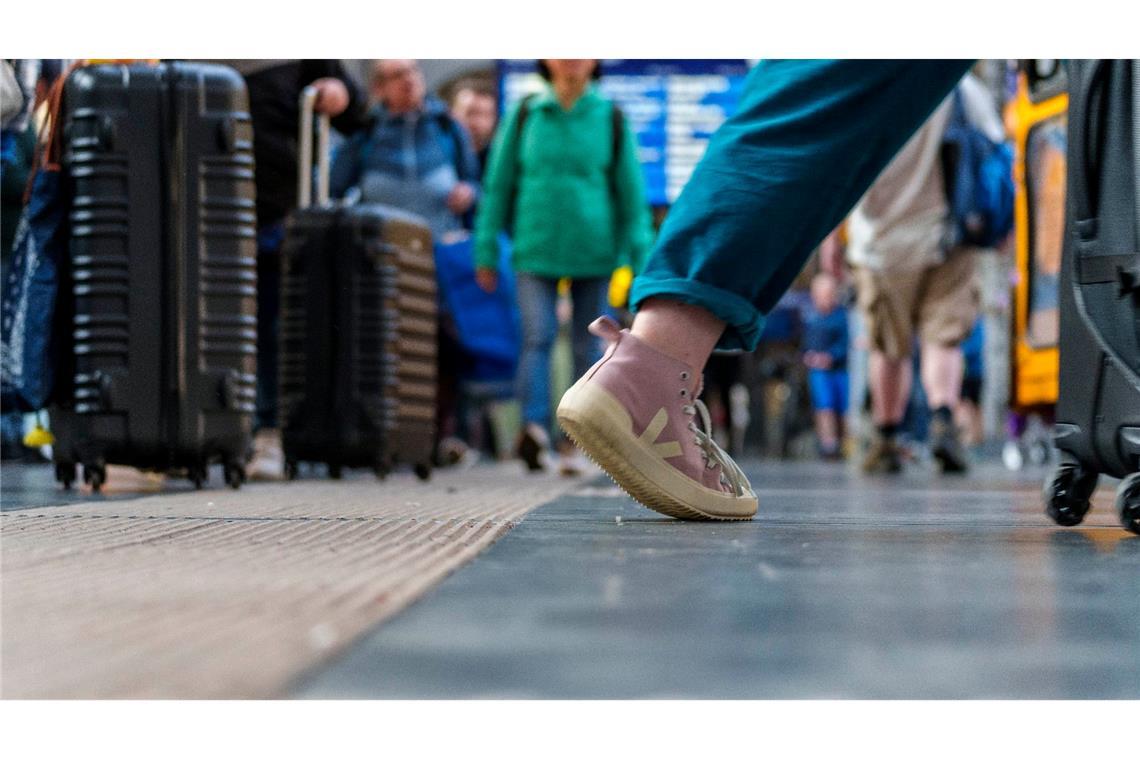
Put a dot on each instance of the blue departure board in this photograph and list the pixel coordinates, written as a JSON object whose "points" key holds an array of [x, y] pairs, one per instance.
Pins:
{"points": [[672, 106]]}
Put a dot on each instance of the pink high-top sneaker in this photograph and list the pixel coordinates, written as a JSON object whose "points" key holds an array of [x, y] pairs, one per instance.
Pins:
{"points": [[634, 413]]}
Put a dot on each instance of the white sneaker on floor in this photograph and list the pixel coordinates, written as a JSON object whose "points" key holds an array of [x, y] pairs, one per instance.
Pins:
{"points": [[573, 464], [268, 462]]}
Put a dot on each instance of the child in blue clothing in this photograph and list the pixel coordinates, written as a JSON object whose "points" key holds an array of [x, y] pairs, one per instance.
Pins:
{"points": [[825, 354]]}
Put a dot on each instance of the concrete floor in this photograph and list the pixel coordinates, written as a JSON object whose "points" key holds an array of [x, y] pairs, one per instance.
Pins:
{"points": [[919, 587], [33, 486]]}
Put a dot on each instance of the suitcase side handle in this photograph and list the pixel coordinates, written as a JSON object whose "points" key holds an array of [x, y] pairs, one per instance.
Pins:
{"points": [[1086, 106], [305, 149]]}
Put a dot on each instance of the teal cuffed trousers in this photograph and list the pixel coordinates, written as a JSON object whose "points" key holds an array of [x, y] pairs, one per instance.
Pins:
{"points": [[807, 140]]}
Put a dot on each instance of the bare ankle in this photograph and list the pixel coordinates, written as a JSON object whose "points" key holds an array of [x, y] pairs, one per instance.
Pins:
{"points": [[685, 332]]}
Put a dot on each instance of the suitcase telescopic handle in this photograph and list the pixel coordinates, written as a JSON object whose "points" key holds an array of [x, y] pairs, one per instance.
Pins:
{"points": [[305, 146]]}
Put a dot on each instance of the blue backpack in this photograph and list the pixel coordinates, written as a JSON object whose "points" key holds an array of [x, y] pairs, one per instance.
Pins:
{"points": [[979, 183]]}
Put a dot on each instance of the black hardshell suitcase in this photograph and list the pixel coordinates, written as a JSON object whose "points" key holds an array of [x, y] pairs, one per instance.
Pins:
{"points": [[163, 272], [358, 360], [1098, 407]]}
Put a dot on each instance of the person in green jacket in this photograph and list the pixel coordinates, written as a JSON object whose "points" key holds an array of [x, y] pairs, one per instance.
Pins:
{"points": [[565, 182]]}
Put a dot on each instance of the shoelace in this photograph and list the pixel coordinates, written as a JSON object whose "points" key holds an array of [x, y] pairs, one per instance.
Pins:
{"points": [[714, 456]]}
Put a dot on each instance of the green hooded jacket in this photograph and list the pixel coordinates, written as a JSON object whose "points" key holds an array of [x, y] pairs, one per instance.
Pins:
{"points": [[576, 214]]}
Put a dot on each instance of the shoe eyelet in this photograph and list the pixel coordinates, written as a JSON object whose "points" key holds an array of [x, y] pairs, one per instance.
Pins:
{"points": [[684, 375], [684, 393]]}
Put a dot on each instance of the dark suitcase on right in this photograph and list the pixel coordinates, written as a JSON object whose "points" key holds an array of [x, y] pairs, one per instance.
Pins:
{"points": [[358, 363], [1098, 407]]}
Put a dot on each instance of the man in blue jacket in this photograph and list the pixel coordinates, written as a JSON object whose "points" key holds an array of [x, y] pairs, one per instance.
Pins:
{"points": [[413, 155], [416, 157]]}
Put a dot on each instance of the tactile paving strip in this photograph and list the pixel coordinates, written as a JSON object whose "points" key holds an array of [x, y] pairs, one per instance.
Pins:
{"points": [[231, 594]]}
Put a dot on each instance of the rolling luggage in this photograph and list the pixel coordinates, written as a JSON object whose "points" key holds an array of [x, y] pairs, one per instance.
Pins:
{"points": [[162, 283], [1098, 408], [358, 358]]}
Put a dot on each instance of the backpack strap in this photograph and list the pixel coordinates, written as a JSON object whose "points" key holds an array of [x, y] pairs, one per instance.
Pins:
{"points": [[363, 140], [959, 114], [617, 138], [452, 128], [520, 122], [617, 124], [950, 151], [524, 112]]}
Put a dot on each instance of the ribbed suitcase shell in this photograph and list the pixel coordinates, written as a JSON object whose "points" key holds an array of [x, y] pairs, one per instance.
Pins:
{"points": [[358, 356], [164, 269]]}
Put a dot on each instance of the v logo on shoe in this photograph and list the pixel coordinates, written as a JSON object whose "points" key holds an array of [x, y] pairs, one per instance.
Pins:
{"points": [[649, 437]]}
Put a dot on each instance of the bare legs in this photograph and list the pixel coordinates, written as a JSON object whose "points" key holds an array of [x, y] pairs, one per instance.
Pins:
{"points": [[827, 430], [890, 381], [942, 374]]}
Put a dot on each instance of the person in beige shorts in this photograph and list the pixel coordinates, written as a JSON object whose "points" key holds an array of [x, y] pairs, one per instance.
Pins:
{"points": [[911, 289], [937, 305]]}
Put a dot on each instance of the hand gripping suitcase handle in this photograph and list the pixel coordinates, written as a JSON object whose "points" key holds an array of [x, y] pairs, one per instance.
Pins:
{"points": [[305, 148]]}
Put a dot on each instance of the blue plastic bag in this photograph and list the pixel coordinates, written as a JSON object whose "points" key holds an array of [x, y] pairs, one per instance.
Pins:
{"points": [[31, 288], [488, 324]]}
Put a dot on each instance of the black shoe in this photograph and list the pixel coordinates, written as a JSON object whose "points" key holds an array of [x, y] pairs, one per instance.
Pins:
{"points": [[18, 453], [883, 457], [947, 447], [11, 451], [831, 453], [533, 443]]}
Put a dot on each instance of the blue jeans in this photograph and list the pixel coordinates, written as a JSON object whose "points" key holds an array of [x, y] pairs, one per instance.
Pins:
{"points": [[538, 297], [807, 140]]}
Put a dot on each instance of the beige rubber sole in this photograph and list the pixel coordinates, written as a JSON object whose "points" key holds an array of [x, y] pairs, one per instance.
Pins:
{"points": [[602, 428]]}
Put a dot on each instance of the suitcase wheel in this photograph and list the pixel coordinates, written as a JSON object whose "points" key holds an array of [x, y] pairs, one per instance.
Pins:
{"points": [[423, 471], [382, 470], [198, 476], [235, 475], [1128, 502], [1067, 493], [291, 470], [95, 475], [65, 474], [336, 472]]}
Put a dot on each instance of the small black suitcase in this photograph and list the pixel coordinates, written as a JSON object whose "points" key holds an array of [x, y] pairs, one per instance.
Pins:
{"points": [[1098, 407], [163, 279], [358, 358]]}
